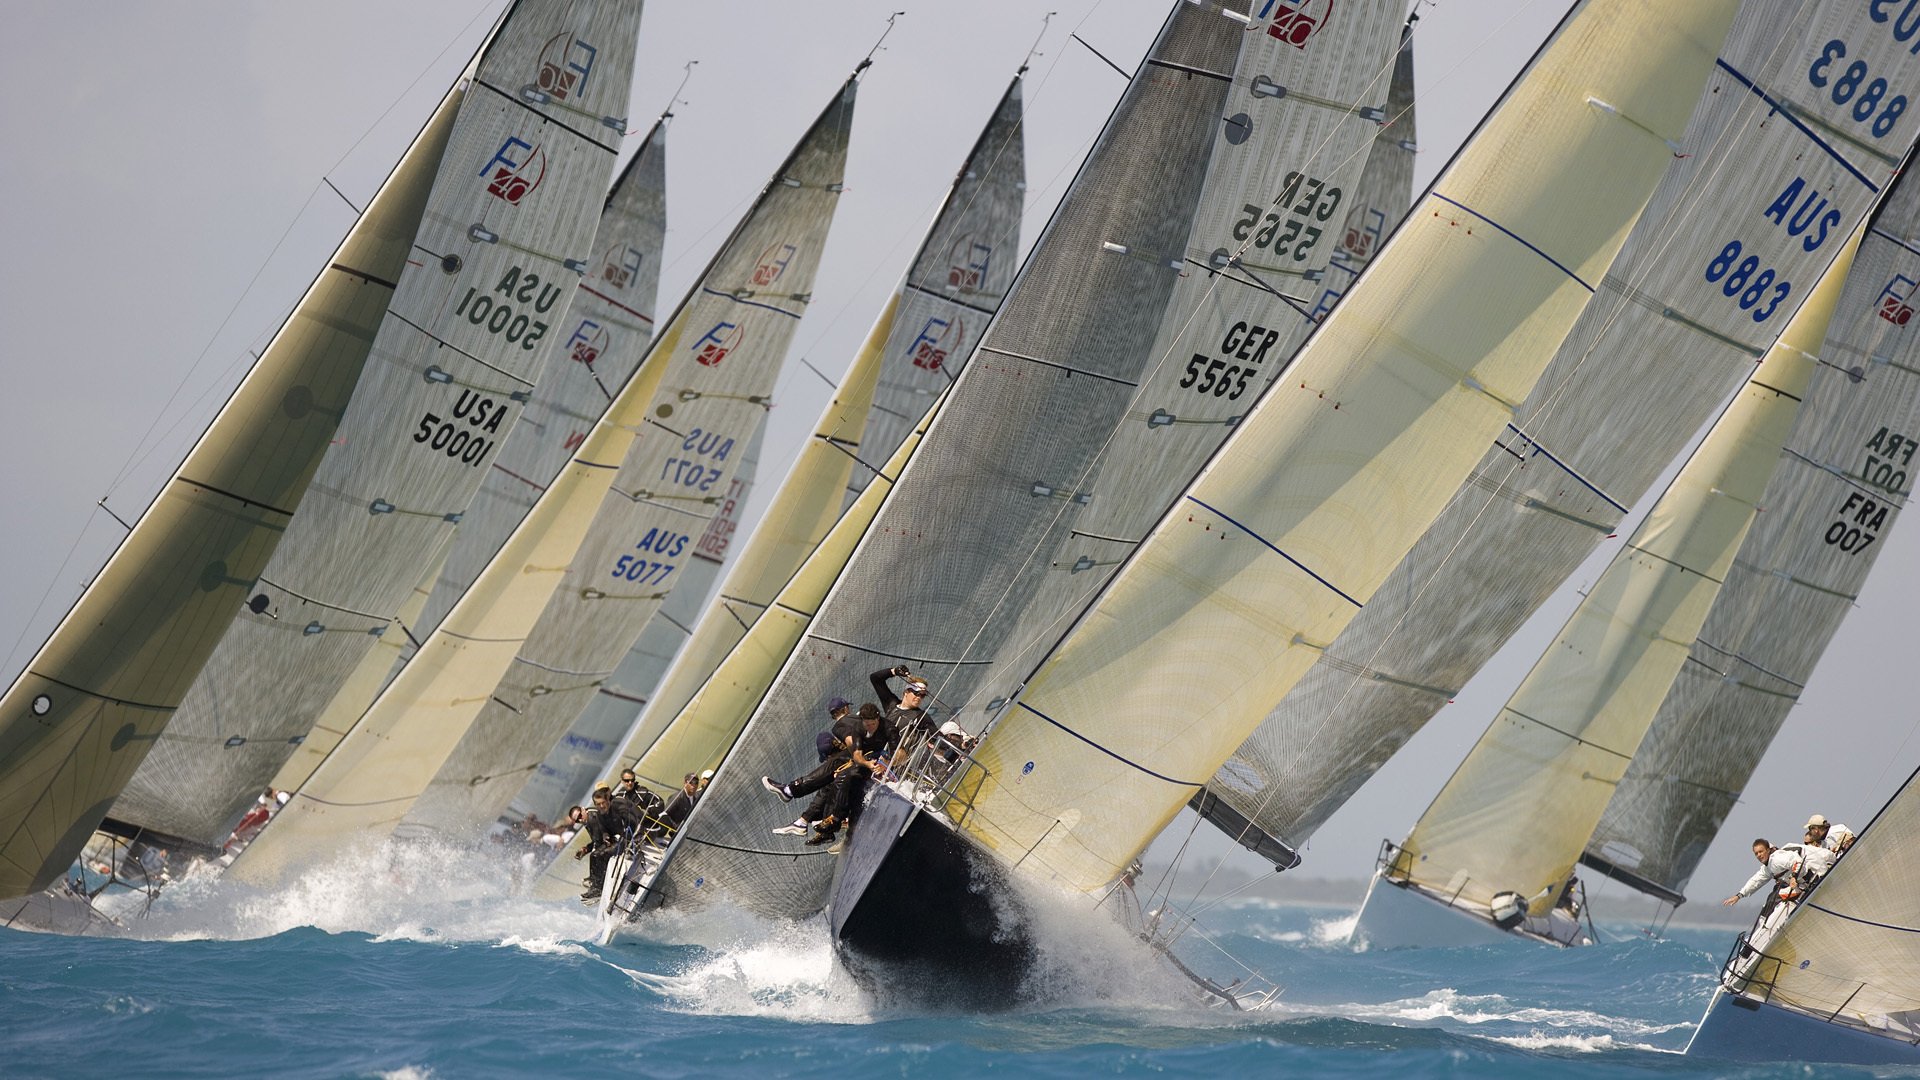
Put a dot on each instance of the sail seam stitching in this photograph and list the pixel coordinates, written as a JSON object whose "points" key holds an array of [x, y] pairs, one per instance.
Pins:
{"points": [[921, 660], [924, 291], [1793, 118], [554, 120], [1068, 368], [1270, 547], [233, 495], [1117, 757], [1568, 734], [749, 303], [1517, 238]]}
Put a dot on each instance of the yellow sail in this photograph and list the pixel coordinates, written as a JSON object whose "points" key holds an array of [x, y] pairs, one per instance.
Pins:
{"points": [[1345, 462], [371, 781], [1518, 812]]}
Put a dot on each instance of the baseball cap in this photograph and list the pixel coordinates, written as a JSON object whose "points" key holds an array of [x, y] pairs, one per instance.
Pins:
{"points": [[950, 728], [1816, 819], [838, 703]]}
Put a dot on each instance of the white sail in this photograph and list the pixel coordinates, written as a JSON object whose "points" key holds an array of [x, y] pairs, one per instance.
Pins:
{"points": [[581, 758], [1663, 344], [1846, 954], [342, 573], [1340, 467], [1093, 336], [645, 454], [1517, 813], [953, 284], [667, 495], [396, 306], [1841, 483], [709, 724]]}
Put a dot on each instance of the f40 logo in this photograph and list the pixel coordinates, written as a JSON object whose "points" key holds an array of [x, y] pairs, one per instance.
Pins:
{"points": [[619, 265], [566, 63], [1893, 300], [589, 340], [773, 262], [970, 261], [1294, 21], [516, 169], [715, 344], [936, 339]]}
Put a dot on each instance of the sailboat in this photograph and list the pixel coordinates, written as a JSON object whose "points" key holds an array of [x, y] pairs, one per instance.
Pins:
{"points": [[1031, 419], [1495, 852], [1790, 586], [656, 460], [1837, 981], [498, 187], [1263, 557], [1657, 352]]}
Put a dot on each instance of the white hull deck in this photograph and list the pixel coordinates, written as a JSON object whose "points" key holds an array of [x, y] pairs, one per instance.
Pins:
{"points": [[1400, 916]]}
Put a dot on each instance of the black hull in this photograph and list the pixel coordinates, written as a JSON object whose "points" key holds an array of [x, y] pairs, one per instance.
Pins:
{"points": [[917, 911]]}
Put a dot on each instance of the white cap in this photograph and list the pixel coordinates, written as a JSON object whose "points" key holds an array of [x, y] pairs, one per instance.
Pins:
{"points": [[707, 775], [283, 797], [951, 728], [1816, 820]]}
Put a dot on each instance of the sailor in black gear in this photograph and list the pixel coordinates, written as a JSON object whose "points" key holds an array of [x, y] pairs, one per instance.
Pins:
{"points": [[905, 718], [609, 823]]}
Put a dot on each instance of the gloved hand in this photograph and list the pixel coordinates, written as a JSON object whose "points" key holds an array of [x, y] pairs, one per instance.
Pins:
{"points": [[902, 671]]}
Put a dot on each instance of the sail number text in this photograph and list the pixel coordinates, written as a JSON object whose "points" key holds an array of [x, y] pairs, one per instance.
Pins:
{"points": [[700, 469], [1221, 377], [1808, 216], [466, 441], [645, 568], [1860, 516], [509, 309], [1305, 200], [1847, 84]]}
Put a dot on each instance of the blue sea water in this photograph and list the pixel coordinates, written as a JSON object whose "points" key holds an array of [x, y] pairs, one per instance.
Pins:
{"points": [[429, 974]]}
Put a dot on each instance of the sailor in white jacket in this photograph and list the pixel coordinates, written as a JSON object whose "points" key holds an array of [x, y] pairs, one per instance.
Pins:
{"points": [[1780, 865]]}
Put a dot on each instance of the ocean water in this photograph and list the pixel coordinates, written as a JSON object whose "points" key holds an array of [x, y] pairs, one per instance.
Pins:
{"points": [[429, 967]]}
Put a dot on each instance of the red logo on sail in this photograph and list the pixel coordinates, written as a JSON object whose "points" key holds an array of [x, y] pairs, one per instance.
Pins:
{"points": [[566, 63], [715, 344], [1294, 21], [619, 265], [1893, 300], [516, 169], [589, 340], [935, 341], [773, 263], [970, 259]]}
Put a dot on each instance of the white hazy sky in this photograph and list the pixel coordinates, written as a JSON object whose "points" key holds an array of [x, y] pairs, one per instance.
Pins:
{"points": [[162, 189]]}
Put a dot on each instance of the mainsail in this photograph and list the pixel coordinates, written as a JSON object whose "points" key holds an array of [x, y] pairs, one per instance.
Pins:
{"points": [[717, 392], [925, 334], [1516, 814], [1676, 323], [1842, 480], [647, 455], [342, 573], [967, 539], [579, 760], [412, 288], [1341, 465]]}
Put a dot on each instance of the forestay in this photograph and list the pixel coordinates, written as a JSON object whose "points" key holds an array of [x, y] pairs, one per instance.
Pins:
{"points": [[1847, 953], [580, 759], [1516, 814], [501, 157], [1841, 482], [924, 335], [1341, 465], [1000, 466], [1676, 324], [714, 397], [424, 457]]}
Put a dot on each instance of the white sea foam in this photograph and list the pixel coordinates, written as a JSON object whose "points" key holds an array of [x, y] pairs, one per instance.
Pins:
{"points": [[1336, 931], [768, 968], [407, 1072], [390, 890]]}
